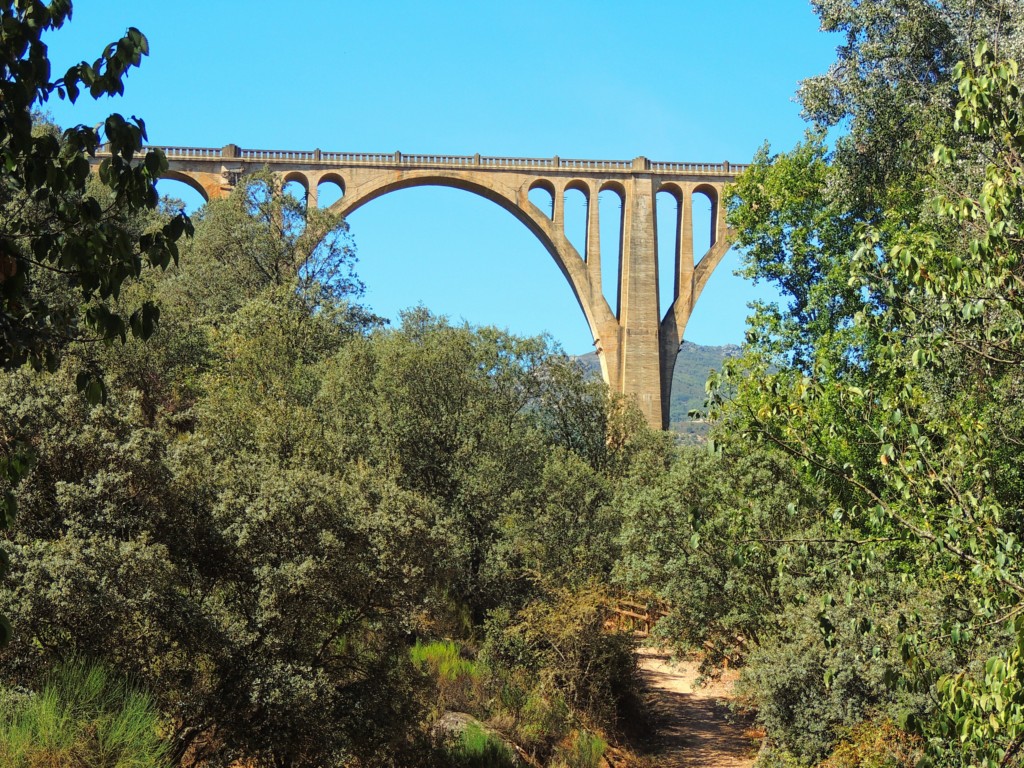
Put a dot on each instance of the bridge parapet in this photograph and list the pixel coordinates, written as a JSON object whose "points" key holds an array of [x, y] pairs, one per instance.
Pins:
{"points": [[401, 160]]}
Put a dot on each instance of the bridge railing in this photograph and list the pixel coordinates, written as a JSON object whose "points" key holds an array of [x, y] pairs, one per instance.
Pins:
{"points": [[186, 153], [277, 154], [595, 165], [699, 167], [235, 154], [348, 158]]}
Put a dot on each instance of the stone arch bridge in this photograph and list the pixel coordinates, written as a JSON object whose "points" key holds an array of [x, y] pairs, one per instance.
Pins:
{"points": [[637, 344]]}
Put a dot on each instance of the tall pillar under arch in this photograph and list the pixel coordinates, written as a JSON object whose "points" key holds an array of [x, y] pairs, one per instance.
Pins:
{"points": [[673, 324], [649, 342], [639, 321]]}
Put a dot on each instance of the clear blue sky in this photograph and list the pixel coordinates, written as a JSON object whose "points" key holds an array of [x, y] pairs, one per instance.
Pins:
{"points": [[672, 80]]}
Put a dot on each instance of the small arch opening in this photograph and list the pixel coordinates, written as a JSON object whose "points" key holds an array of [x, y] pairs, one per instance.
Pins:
{"points": [[295, 184], [667, 232], [575, 205], [294, 205], [542, 195], [329, 190], [177, 195], [610, 211], [703, 224], [295, 189]]}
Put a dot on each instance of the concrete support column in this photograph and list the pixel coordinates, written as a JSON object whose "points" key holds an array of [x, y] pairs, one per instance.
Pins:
{"points": [[311, 196], [607, 341], [718, 223], [684, 258], [593, 248], [638, 301], [558, 208], [673, 325]]}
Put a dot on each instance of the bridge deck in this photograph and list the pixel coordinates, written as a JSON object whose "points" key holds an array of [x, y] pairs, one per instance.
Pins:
{"points": [[318, 157]]}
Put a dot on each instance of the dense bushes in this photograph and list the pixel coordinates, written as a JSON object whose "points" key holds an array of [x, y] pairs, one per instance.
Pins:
{"points": [[278, 494], [888, 380], [542, 675], [560, 641]]}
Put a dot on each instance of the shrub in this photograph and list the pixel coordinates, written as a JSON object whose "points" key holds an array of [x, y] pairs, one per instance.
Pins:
{"points": [[776, 756], [563, 641], [875, 744], [811, 690], [541, 720]]}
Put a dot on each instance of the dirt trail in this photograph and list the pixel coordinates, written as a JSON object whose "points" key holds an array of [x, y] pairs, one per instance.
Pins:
{"points": [[694, 727]]}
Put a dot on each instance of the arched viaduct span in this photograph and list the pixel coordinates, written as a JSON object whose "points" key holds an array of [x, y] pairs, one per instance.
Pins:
{"points": [[636, 344]]}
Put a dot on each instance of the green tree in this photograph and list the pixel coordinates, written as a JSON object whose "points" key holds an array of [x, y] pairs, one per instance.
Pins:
{"points": [[716, 538], [167, 504], [903, 405], [51, 222], [52, 226]]}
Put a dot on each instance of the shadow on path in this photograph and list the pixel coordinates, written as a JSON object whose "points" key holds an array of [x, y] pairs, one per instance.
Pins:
{"points": [[694, 727]]}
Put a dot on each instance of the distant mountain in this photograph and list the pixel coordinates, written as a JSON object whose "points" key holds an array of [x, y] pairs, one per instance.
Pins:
{"points": [[691, 371]]}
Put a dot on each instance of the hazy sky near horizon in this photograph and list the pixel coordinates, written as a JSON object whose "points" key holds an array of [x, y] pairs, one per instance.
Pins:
{"points": [[678, 80]]}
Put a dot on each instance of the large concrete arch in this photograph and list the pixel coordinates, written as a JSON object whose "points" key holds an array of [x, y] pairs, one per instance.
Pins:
{"points": [[549, 231], [637, 348], [565, 255], [191, 181]]}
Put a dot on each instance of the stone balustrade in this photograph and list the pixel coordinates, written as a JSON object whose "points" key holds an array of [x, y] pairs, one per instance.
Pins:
{"points": [[399, 159]]}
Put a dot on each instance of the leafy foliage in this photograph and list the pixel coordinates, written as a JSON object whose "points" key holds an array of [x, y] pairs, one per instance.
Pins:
{"points": [[717, 539], [51, 221], [279, 495], [562, 638], [55, 226], [891, 382]]}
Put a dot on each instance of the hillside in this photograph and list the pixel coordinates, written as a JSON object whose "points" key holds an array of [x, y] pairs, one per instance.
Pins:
{"points": [[691, 372]]}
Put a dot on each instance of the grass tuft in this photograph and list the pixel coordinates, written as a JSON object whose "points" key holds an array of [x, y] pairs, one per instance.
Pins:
{"points": [[478, 748], [443, 659], [584, 751], [82, 717]]}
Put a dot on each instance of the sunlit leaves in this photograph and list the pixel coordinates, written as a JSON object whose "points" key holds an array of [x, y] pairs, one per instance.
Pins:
{"points": [[83, 239], [983, 714], [910, 412], [53, 226]]}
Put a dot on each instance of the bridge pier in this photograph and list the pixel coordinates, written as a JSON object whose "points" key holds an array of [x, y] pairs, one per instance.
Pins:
{"points": [[638, 300]]}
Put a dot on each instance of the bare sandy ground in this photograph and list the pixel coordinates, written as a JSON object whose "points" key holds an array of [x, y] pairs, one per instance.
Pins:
{"points": [[695, 727]]}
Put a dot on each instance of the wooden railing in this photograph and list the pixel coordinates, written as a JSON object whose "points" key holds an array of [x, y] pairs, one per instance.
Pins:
{"points": [[632, 616]]}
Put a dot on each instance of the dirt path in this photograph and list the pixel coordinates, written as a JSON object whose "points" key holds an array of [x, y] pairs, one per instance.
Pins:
{"points": [[694, 727]]}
